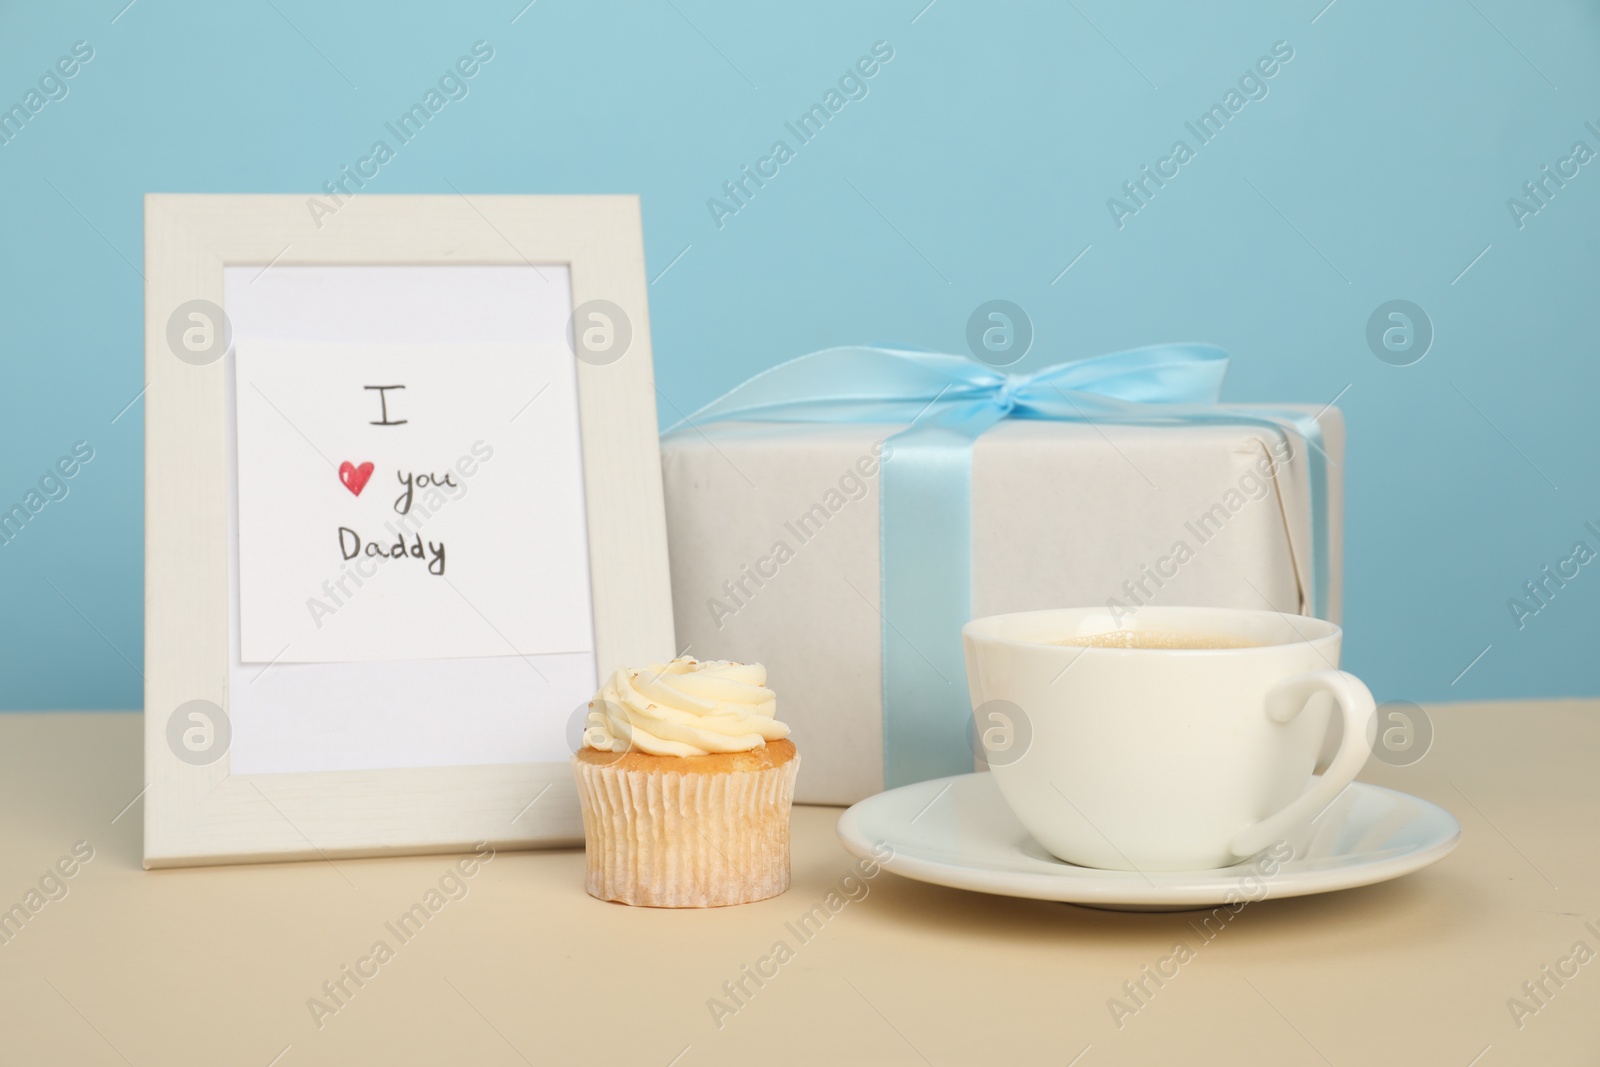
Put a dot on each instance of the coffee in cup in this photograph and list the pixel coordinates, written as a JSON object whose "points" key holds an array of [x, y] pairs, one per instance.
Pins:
{"points": [[1155, 639]]}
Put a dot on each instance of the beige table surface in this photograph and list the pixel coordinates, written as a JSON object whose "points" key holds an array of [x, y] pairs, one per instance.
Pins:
{"points": [[216, 966]]}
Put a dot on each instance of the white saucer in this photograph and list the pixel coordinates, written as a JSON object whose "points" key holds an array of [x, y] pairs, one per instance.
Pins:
{"points": [[959, 832]]}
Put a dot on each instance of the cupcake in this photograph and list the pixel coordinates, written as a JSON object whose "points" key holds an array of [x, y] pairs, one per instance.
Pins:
{"points": [[686, 778]]}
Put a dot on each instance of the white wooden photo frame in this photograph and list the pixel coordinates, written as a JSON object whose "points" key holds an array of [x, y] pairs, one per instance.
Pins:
{"points": [[433, 713]]}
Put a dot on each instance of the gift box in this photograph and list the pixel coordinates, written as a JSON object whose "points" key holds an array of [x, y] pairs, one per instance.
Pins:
{"points": [[776, 553]]}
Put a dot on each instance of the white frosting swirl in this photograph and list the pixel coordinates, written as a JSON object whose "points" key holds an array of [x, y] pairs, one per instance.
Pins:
{"points": [[684, 708]]}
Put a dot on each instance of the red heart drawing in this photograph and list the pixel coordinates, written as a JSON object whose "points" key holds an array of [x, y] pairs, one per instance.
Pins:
{"points": [[353, 477]]}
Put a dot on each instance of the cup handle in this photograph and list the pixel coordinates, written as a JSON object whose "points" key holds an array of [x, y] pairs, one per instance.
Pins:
{"points": [[1286, 700]]}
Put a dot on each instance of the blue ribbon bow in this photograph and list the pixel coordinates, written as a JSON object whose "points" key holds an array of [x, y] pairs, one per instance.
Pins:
{"points": [[925, 499]]}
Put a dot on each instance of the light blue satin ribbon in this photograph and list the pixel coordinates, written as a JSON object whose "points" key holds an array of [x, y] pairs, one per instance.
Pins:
{"points": [[925, 499]]}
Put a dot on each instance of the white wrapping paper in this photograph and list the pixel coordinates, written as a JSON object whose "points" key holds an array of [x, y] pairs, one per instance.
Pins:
{"points": [[773, 532]]}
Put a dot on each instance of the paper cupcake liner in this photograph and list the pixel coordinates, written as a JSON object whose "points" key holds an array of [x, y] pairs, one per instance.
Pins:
{"points": [[669, 839]]}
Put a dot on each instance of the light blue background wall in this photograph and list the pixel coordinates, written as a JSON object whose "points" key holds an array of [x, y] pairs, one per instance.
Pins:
{"points": [[1381, 163]]}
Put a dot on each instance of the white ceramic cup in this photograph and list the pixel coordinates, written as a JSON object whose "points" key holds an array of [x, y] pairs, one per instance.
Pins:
{"points": [[1156, 759]]}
